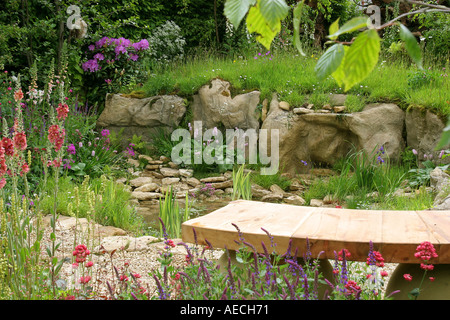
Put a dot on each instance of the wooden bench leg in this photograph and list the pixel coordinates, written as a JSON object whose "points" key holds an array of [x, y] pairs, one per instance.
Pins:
{"points": [[439, 289], [324, 267]]}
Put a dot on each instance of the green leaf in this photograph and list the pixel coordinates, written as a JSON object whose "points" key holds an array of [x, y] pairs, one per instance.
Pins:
{"points": [[361, 58], [334, 28], [339, 74], [235, 10], [414, 293], [412, 47], [445, 138], [296, 20], [330, 61], [273, 11], [350, 26], [257, 23]]}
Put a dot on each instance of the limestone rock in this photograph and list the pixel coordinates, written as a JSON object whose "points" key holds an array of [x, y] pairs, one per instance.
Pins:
{"points": [[295, 200], [222, 185], [283, 105], [169, 172], [214, 106], [187, 173], [423, 132], [168, 181], [140, 181], [193, 181], [213, 179], [323, 138], [258, 191], [272, 197], [143, 196], [302, 110], [141, 116], [315, 203], [276, 189], [148, 187], [339, 109], [126, 243]]}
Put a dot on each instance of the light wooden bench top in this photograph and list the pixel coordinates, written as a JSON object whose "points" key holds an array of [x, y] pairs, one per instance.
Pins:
{"points": [[395, 234]]}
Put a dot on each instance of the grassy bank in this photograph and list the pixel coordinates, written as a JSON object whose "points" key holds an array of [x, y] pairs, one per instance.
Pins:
{"points": [[292, 76]]}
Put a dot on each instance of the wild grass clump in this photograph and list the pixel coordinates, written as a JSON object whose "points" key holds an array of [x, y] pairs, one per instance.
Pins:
{"points": [[292, 77]]}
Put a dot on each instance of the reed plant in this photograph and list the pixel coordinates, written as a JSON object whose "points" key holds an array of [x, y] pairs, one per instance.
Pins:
{"points": [[242, 188], [171, 215]]}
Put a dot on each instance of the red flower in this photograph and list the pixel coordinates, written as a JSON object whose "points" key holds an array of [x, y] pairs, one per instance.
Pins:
{"points": [[62, 110], [177, 276], [3, 167], [384, 273], [18, 95], [341, 254], [432, 279], [425, 251], [8, 146], [352, 286], [25, 169], [379, 260], [85, 280], [407, 277], [170, 243], [20, 141], [123, 278], [2, 183], [89, 264], [428, 267]]}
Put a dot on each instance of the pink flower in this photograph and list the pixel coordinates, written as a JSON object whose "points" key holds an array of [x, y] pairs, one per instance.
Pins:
{"points": [[89, 264], [20, 141], [18, 95], [85, 279], [8, 146], [407, 277], [384, 273], [341, 254], [62, 110], [425, 251], [25, 169], [2, 183]]}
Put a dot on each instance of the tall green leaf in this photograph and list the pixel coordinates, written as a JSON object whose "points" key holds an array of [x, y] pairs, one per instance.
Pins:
{"points": [[330, 61], [333, 29], [257, 23], [412, 47], [235, 10], [350, 26], [296, 20], [273, 11], [361, 57]]}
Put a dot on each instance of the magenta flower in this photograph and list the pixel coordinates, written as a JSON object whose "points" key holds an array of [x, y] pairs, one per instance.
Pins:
{"points": [[71, 149], [99, 56], [105, 132]]}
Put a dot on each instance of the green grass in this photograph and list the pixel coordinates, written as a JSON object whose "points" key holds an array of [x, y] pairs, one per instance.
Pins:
{"points": [[266, 181], [292, 76], [102, 200]]}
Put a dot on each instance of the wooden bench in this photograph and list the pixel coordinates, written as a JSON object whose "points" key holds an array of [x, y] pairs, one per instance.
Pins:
{"points": [[395, 234]]}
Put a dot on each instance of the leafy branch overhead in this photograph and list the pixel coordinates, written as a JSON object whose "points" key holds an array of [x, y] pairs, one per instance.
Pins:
{"points": [[348, 63]]}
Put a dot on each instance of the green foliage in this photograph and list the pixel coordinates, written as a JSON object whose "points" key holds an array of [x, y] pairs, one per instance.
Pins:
{"points": [[421, 176], [166, 43], [419, 78], [241, 184], [171, 215], [266, 181]]}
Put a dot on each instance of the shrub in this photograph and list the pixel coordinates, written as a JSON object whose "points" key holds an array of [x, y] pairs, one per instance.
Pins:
{"points": [[166, 43]]}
